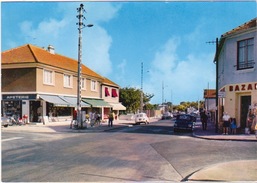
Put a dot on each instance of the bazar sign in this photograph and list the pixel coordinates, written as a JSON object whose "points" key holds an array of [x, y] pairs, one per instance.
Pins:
{"points": [[243, 87], [19, 97]]}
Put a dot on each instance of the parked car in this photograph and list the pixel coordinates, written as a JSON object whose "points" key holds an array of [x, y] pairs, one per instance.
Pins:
{"points": [[167, 115], [5, 121], [184, 122], [141, 118]]}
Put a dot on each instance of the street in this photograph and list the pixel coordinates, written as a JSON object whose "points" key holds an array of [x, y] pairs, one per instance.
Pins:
{"points": [[133, 153]]}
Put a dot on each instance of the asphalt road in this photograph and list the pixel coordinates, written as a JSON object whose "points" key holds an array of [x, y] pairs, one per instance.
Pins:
{"points": [[138, 153]]}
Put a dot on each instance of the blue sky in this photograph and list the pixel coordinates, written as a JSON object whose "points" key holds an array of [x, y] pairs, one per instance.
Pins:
{"points": [[168, 37]]}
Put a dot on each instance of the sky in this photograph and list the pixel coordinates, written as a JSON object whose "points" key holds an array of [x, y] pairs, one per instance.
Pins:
{"points": [[169, 38]]}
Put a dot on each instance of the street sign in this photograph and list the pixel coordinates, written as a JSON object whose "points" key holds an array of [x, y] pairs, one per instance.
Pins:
{"points": [[222, 94]]}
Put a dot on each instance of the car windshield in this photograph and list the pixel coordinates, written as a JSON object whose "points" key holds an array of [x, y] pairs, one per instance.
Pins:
{"points": [[184, 117], [140, 115]]}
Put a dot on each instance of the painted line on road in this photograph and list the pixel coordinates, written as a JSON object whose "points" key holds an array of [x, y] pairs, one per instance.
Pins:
{"points": [[13, 138]]}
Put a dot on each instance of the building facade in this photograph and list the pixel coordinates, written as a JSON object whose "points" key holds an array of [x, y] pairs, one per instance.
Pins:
{"points": [[38, 82], [237, 73]]}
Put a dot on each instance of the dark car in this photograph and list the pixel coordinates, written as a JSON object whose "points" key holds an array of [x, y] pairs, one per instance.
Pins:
{"points": [[184, 122]]}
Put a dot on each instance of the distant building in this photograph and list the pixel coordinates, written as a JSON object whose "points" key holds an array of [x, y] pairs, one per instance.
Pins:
{"points": [[237, 72], [38, 82], [210, 99]]}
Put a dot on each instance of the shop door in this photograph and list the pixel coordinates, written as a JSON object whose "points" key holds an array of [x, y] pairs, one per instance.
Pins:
{"points": [[245, 102], [34, 105]]}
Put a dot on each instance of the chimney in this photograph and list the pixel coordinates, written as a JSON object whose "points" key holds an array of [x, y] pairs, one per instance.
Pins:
{"points": [[50, 49]]}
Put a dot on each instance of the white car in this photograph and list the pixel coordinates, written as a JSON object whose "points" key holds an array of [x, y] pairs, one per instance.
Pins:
{"points": [[5, 121], [141, 118]]}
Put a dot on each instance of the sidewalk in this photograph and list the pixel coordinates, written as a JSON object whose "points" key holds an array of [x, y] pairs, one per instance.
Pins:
{"points": [[56, 127], [210, 134]]}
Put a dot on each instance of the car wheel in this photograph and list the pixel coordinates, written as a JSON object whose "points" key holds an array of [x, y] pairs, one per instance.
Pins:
{"points": [[6, 126]]}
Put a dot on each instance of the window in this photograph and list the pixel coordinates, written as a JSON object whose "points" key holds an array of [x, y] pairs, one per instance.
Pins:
{"points": [[83, 84], [93, 85], [48, 77], [114, 93], [107, 92], [67, 79], [245, 50]]}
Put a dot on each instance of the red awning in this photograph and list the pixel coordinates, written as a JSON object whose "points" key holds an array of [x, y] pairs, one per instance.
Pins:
{"points": [[107, 92], [114, 93]]}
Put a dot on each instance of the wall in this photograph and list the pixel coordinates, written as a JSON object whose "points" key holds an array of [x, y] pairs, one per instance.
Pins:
{"points": [[59, 89], [19, 80], [228, 73]]}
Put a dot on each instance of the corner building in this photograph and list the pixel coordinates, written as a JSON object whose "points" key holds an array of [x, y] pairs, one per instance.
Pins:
{"points": [[40, 83], [237, 73]]}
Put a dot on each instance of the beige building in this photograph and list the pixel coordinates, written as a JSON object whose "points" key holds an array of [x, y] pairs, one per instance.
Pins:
{"points": [[37, 82]]}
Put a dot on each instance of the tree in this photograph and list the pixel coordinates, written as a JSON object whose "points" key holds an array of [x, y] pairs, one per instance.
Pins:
{"points": [[130, 97]]}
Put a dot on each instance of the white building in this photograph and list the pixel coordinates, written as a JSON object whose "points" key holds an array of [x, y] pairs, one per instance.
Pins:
{"points": [[237, 72]]}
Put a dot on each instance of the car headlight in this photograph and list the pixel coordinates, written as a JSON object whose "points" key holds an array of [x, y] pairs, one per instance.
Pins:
{"points": [[189, 125]]}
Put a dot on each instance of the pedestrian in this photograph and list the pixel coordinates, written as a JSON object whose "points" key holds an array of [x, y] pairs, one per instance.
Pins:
{"points": [[74, 118], [111, 116], [226, 123], [233, 126], [204, 119]]}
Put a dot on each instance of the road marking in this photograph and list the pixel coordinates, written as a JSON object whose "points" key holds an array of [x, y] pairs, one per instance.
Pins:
{"points": [[13, 138]]}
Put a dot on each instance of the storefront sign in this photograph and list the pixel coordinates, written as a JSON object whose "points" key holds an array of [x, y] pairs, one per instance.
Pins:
{"points": [[19, 97], [243, 87]]}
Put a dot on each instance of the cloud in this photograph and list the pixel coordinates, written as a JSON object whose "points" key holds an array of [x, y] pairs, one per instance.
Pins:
{"points": [[62, 32], [97, 48], [179, 80], [44, 31]]}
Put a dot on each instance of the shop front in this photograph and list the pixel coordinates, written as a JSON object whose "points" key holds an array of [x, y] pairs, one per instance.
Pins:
{"points": [[240, 101], [98, 106], [117, 107], [17, 105]]}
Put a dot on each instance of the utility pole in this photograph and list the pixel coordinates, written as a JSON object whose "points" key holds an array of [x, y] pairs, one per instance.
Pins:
{"points": [[217, 82], [81, 25], [141, 94]]}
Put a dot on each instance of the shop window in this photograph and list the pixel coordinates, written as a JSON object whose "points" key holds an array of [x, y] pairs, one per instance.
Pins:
{"points": [[245, 57], [114, 93], [48, 77], [67, 80]]}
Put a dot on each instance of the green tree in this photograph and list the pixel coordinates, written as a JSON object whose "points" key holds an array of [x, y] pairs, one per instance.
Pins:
{"points": [[130, 97]]}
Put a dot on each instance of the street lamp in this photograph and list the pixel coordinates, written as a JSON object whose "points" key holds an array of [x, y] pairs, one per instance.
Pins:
{"points": [[81, 26], [163, 96]]}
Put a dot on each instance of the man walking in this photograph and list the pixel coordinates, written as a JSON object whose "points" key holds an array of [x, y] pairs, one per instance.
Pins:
{"points": [[204, 119], [111, 116]]}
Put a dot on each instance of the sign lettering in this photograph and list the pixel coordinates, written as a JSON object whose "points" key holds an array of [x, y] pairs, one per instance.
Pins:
{"points": [[243, 87]]}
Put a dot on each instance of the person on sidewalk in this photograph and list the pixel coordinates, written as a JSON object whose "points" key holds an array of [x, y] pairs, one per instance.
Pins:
{"points": [[74, 118], [204, 119], [226, 123], [233, 126], [111, 117]]}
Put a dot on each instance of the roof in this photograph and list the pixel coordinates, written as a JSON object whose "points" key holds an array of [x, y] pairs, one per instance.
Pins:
{"points": [[106, 81], [244, 27], [248, 25], [33, 54]]}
